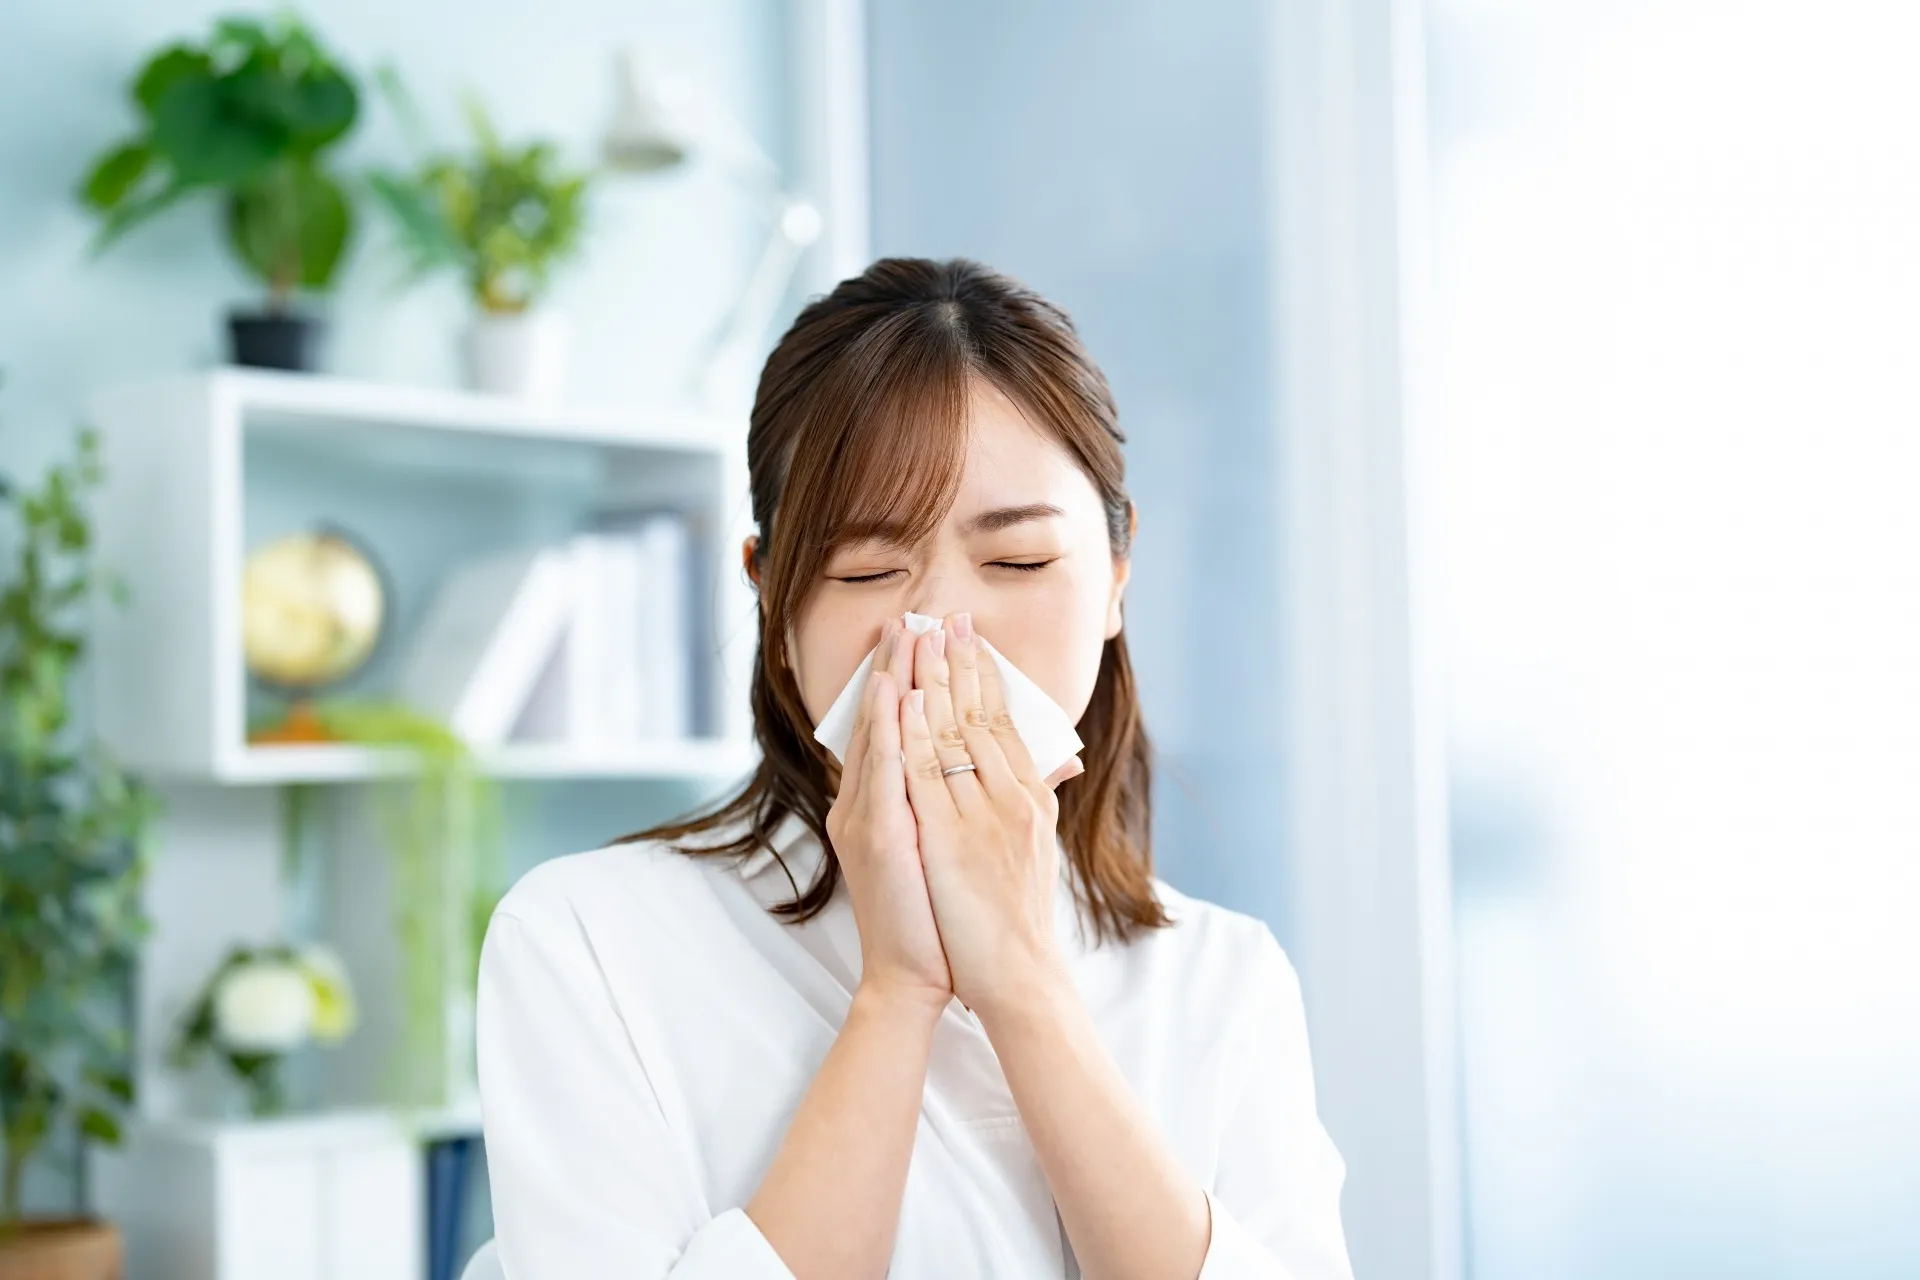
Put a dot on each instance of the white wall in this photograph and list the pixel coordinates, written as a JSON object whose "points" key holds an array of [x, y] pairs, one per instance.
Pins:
{"points": [[664, 255]]}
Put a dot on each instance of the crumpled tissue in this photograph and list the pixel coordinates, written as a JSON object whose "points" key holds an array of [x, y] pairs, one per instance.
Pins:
{"points": [[1040, 721]]}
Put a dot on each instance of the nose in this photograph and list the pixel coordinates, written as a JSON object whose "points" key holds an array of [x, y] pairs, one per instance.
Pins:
{"points": [[938, 596]]}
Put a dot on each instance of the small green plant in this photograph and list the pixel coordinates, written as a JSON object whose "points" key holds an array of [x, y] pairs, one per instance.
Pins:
{"points": [[259, 1005], [443, 827], [251, 114], [501, 216], [73, 830]]}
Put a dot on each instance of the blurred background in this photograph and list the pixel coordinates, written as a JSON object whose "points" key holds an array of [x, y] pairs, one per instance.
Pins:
{"points": [[1526, 605]]}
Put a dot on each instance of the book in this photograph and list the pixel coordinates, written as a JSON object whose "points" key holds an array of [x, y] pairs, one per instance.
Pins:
{"points": [[487, 635], [449, 1164], [623, 698], [586, 643], [647, 597], [589, 642], [604, 692], [659, 605]]}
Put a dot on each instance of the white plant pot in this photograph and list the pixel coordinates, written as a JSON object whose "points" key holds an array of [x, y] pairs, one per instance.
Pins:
{"points": [[521, 355]]}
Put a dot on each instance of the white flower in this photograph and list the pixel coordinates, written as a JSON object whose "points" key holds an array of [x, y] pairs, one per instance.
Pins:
{"points": [[334, 1012], [263, 1006]]}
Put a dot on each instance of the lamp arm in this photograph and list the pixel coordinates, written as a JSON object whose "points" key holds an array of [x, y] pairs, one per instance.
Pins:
{"points": [[721, 365]]}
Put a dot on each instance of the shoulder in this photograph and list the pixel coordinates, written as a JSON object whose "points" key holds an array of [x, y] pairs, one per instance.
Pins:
{"points": [[1216, 931], [1217, 952], [575, 889], [1235, 986], [623, 915]]}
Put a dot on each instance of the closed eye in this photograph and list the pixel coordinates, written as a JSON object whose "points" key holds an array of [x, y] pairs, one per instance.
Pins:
{"points": [[1032, 566]]}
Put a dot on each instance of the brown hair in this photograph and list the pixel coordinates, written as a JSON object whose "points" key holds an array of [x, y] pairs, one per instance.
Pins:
{"points": [[858, 426]]}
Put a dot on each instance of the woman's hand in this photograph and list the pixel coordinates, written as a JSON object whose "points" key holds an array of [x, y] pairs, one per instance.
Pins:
{"points": [[986, 835], [877, 844]]}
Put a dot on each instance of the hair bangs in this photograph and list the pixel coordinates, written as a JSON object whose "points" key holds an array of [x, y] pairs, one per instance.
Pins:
{"points": [[888, 466], [903, 455]]}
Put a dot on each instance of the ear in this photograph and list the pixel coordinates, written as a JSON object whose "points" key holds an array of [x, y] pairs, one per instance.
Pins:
{"points": [[747, 548], [1122, 573]]}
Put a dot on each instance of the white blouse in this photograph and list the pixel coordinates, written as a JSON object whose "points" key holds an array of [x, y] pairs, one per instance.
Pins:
{"points": [[647, 1029]]}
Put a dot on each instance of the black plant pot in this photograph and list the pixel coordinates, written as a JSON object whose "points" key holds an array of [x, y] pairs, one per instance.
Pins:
{"points": [[273, 340]]}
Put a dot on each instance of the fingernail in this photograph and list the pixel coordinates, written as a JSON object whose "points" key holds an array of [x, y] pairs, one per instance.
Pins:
{"points": [[963, 625], [939, 644], [917, 700], [1078, 768]]}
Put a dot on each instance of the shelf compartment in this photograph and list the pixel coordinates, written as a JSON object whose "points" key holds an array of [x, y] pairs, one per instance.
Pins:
{"points": [[201, 468]]}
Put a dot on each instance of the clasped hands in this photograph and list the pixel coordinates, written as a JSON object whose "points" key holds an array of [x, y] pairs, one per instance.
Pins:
{"points": [[944, 829]]}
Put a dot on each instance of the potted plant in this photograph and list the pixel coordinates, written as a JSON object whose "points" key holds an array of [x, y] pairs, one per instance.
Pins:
{"points": [[72, 833], [252, 115], [502, 217], [259, 1005]]}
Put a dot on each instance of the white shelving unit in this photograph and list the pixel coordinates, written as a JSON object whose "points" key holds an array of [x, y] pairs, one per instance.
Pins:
{"points": [[170, 682], [328, 1197], [202, 468], [335, 1195], [692, 759]]}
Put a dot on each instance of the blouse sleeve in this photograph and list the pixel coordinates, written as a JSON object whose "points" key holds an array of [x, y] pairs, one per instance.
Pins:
{"points": [[1276, 1193], [588, 1183]]}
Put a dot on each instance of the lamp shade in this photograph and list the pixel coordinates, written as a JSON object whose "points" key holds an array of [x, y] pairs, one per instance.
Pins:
{"points": [[644, 135]]}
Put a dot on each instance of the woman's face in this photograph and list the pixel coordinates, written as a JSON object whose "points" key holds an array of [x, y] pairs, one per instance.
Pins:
{"points": [[1024, 549]]}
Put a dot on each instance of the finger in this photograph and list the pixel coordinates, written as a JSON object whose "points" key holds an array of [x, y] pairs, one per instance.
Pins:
{"points": [[900, 667], [931, 797], [993, 696], [931, 677], [899, 662], [855, 762], [884, 778], [883, 649], [1071, 769], [859, 746], [963, 663]]}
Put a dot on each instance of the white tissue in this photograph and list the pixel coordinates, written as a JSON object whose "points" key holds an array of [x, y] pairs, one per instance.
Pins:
{"points": [[1042, 725]]}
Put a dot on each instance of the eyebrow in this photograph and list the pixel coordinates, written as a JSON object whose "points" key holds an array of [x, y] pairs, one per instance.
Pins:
{"points": [[892, 531], [1006, 517]]}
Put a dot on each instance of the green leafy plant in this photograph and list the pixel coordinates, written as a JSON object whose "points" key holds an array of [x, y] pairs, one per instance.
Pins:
{"points": [[250, 114], [443, 824], [501, 216], [73, 829], [259, 1005]]}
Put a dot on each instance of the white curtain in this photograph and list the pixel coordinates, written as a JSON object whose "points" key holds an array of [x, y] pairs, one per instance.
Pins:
{"points": [[1677, 259]]}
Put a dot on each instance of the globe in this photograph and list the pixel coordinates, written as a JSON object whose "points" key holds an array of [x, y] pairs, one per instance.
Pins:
{"points": [[312, 609]]}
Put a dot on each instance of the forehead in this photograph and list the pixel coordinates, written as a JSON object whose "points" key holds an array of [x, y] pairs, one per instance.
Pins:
{"points": [[1010, 461]]}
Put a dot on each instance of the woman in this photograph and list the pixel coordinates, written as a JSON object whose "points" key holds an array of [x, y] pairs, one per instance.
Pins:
{"points": [[920, 1015]]}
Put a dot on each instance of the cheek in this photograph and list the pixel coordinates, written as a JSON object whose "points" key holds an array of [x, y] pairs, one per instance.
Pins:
{"points": [[831, 639], [1056, 638]]}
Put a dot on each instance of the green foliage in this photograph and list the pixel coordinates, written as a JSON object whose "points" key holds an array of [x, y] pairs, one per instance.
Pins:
{"points": [[72, 833], [502, 216], [250, 114], [200, 1031], [444, 828]]}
